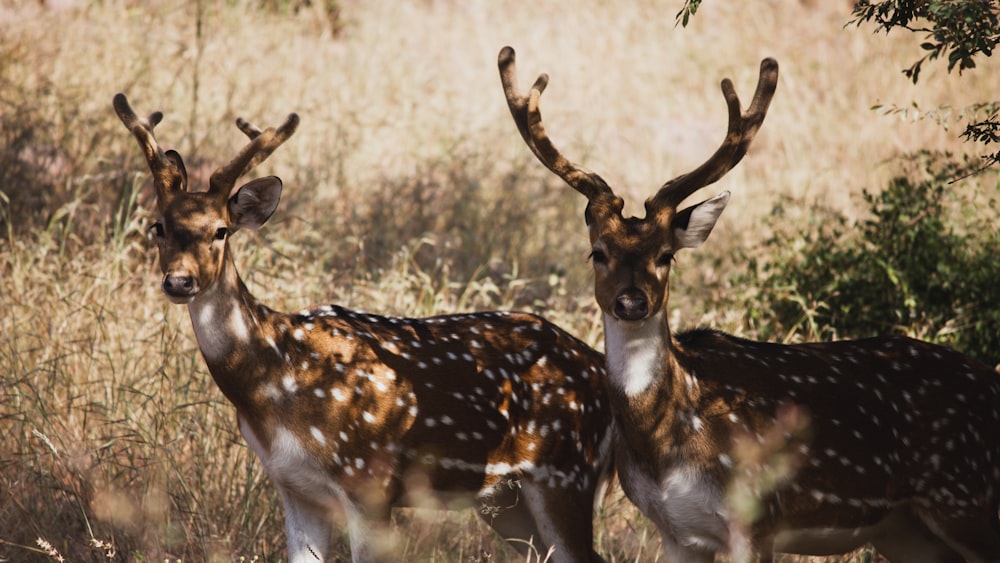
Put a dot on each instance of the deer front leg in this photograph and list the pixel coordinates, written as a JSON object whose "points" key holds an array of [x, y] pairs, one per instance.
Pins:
{"points": [[674, 551], [307, 527]]}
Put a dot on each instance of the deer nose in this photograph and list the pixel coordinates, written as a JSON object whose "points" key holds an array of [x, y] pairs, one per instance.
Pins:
{"points": [[631, 305], [179, 285]]}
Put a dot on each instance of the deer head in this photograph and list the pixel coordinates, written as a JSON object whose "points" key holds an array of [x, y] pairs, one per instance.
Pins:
{"points": [[632, 256], [193, 259]]}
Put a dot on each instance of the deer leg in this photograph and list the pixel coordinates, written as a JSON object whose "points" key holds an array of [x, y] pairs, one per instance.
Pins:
{"points": [[674, 551], [509, 515], [917, 549], [976, 538], [307, 527], [369, 527], [907, 539], [564, 521]]}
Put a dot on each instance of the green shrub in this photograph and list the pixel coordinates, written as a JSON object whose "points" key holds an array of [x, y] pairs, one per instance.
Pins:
{"points": [[923, 264]]}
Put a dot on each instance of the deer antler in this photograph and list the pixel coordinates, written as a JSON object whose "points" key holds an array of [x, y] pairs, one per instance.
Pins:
{"points": [[167, 167], [742, 129], [261, 145], [528, 118]]}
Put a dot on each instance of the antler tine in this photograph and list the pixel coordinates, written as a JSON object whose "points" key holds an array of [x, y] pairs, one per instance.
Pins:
{"points": [[528, 118], [168, 172], [249, 129], [130, 119], [741, 132], [261, 145]]}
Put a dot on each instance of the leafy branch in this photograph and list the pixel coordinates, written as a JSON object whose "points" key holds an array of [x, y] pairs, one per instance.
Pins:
{"points": [[689, 9], [956, 29]]}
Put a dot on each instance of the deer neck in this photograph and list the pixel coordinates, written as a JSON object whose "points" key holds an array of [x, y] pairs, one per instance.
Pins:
{"points": [[650, 390], [639, 355], [230, 327]]}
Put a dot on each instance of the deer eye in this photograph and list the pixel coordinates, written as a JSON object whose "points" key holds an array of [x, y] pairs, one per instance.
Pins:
{"points": [[157, 230], [665, 259], [221, 233], [598, 257]]}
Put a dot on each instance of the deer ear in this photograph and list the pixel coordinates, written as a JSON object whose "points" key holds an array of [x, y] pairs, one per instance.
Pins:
{"points": [[693, 225], [175, 158], [251, 204]]}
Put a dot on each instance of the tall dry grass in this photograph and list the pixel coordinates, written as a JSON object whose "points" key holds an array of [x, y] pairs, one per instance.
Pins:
{"points": [[408, 192]]}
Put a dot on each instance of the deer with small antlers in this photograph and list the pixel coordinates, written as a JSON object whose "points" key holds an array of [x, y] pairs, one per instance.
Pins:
{"points": [[360, 413], [881, 441]]}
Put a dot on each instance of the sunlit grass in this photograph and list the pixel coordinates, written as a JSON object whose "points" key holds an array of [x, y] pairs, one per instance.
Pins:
{"points": [[408, 192]]}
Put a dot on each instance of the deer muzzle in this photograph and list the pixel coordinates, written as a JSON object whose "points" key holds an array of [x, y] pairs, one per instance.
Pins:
{"points": [[631, 305], [179, 287]]}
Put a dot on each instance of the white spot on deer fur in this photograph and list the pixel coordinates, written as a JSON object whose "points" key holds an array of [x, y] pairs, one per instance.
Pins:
{"points": [[696, 423], [237, 326], [273, 345], [318, 435], [288, 382], [271, 391], [298, 334], [369, 417], [503, 468]]}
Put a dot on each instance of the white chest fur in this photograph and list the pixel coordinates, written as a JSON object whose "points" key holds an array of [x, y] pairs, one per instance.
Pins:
{"points": [[683, 501], [289, 465]]}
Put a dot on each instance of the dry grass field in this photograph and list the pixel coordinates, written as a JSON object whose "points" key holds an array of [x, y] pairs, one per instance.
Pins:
{"points": [[408, 192]]}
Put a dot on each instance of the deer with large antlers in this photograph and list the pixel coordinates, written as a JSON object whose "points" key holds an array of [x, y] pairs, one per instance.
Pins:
{"points": [[358, 412], [835, 445]]}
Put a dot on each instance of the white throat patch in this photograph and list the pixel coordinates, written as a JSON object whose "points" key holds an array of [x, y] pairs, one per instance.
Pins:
{"points": [[635, 352], [218, 329]]}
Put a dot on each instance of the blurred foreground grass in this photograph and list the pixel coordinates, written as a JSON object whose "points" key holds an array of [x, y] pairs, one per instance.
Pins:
{"points": [[408, 192]]}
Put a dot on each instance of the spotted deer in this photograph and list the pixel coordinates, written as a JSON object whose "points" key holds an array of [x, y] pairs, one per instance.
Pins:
{"points": [[359, 413], [750, 448]]}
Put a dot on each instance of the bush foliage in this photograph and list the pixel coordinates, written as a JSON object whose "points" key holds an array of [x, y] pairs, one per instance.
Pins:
{"points": [[923, 263]]}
